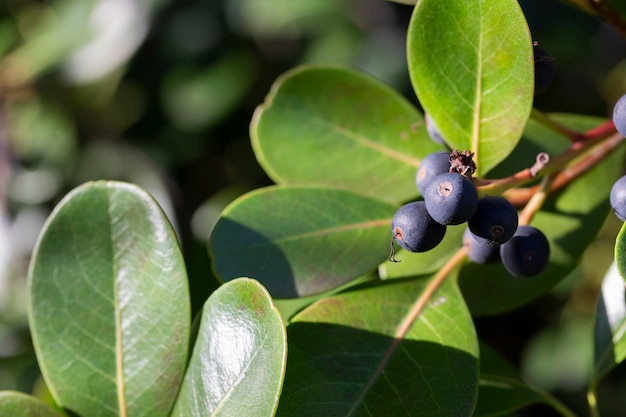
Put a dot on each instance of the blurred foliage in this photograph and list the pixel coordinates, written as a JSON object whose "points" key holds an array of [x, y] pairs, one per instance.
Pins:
{"points": [[161, 92]]}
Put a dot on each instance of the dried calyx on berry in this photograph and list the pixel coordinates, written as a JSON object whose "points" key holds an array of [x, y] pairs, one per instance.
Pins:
{"points": [[463, 163]]}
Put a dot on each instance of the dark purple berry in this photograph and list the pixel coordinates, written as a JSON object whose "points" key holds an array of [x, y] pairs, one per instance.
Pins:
{"points": [[432, 165], [414, 229], [618, 198], [477, 252], [494, 222], [451, 198], [527, 253], [619, 115]]}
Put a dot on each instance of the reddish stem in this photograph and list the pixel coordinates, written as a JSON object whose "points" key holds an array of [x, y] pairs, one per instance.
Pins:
{"points": [[520, 196]]}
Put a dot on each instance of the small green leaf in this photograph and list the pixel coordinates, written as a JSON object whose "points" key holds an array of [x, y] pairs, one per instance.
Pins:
{"points": [[300, 241], [501, 390], [17, 404], [340, 128], [383, 350], [471, 64], [238, 361], [569, 222], [620, 252], [109, 304], [610, 325]]}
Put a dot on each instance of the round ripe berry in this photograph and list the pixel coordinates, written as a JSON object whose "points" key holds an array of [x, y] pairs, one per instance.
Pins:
{"points": [[451, 198], [618, 198], [433, 131], [527, 253], [414, 229], [494, 222], [544, 68], [619, 115], [478, 253], [432, 165]]}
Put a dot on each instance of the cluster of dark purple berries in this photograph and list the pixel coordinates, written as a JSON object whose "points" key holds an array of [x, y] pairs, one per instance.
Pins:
{"points": [[450, 198]]}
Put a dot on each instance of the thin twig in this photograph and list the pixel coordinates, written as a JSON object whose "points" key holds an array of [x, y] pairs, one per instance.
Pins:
{"points": [[520, 196]]}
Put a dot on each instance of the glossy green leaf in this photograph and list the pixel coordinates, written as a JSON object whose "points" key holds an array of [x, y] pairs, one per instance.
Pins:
{"points": [[17, 404], [471, 64], [620, 252], [383, 350], [570, 219], [501, 389], [109, 304], [610, 325], [300, 241], [340, 128], [238, 361]]}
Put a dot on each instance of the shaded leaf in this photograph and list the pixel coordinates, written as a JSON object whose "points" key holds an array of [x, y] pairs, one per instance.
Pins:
{"points": [[17, 404], [300, 241], [501, 390], [471, 64], [238, 361], [610, 325], [569, 222], [109, 304], [340, 128], [383, 350]]}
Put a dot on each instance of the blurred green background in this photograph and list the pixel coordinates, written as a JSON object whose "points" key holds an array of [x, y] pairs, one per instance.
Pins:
{"points": [[161, 92]]}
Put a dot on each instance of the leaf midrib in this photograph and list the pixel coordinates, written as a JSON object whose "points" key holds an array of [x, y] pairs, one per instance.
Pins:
{"points": [[405, 326], [478, 98], [119, 358], [370, 224], [366, 142]]}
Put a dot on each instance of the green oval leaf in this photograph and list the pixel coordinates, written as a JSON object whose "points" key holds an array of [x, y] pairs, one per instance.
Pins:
{"points": [[471, 64], [17, 404], [620, 252], [610, 325], [383, 350], [109, 304], [300, 241], [570, 223], [340, 128], [238, 361]]}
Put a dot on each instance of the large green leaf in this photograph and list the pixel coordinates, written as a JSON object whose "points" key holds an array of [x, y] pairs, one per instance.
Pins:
{"points": [[17, 404], [471, 64], [109, 304], [383, 350], [300, 241], [238, 361], [610, 326], [501, 389], [340, 128], [570, 219]]}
